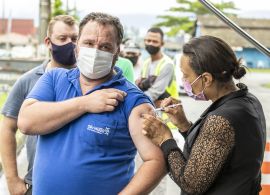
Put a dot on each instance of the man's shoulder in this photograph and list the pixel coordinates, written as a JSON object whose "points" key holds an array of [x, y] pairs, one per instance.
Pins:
{"points": [[134, 92], [31, 75], [61, 72], [168, 60], [124, 63], [38, 70], [123, 60]]}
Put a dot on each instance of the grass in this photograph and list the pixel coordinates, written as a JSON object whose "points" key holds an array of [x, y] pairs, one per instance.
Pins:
{"points": [[266, 85], [259, 70], [3, 97]]}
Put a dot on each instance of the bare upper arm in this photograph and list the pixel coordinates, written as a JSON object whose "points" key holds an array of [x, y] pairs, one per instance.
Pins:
{"points": [[146, 149]]}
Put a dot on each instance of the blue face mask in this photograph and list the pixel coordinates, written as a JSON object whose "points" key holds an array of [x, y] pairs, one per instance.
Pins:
{"points": [[64, 54], [188, 90]]}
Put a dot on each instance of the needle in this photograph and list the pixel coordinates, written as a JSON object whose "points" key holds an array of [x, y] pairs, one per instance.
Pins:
{"points": [[170, 106]]}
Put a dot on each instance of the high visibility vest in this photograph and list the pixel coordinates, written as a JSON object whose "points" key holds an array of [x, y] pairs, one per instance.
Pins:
{"points": [[171, 89]]}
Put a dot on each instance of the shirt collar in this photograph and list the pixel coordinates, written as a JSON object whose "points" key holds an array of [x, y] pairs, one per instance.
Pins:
{"points": [[42, 68], [117, 78]]}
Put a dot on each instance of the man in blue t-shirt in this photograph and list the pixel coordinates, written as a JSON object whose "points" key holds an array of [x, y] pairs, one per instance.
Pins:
{"points": [[83, 149]]}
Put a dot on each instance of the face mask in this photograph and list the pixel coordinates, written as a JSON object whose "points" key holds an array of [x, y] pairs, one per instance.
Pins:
{"points": [[94, 63], [133, 59], [188, 90], [152, 50], [64, 54]]}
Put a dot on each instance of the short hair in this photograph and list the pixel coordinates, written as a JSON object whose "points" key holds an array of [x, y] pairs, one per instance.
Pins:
{"points": [[157, 30], [103, 19], [68, 20]]}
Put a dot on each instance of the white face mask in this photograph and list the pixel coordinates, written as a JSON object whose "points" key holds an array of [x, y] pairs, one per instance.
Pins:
{"points": [[94, 63]]}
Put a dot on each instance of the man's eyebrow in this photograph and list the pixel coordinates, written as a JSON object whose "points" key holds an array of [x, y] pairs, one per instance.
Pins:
{"points": [[105, 43]]}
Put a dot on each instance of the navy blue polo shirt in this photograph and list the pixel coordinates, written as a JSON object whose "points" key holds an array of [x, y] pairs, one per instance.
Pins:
{"points": [[93, 154]]}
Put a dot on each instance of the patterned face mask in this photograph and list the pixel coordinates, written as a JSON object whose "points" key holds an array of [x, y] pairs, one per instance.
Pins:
{"points": [[188, 90]]}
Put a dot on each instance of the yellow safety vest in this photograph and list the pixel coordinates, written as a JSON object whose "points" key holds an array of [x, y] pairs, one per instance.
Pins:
{"points": [[171, 89]]}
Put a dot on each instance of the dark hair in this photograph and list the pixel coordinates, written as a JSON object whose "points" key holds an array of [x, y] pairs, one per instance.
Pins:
{"points": [[157, 30], [104, 19], [213, 55]]}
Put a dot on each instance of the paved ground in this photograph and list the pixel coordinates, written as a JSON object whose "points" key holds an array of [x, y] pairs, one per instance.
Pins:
{"points": [[193, 110]]}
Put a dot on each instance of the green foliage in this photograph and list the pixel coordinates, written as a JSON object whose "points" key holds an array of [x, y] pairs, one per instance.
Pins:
{"points": [[57, 9], [187, 24]]}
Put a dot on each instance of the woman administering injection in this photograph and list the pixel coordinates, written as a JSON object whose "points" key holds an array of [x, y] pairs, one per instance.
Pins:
{"points": [[224, 148]]}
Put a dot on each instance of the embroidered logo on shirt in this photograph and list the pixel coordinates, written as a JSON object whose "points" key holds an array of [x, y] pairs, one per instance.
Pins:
{"points": [[99, 130]]}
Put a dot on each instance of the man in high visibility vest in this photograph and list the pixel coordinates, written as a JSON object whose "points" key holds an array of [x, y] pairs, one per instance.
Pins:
{"points": [[157, 76]]}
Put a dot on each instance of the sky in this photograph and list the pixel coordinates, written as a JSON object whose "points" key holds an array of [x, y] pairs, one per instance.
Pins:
{"points": [[137, 9]]}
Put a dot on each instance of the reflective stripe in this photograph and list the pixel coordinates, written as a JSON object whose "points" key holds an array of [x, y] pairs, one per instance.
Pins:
{"points": [[172, 88], [266, 156], [145, 67], [265, 179]]}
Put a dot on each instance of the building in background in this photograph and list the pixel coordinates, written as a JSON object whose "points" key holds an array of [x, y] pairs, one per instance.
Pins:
{"points": [[257, 28], [17, 38], [19, 26]]}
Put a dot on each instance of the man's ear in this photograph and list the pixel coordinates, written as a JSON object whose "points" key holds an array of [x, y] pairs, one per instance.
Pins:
{"points": [[162, 43], [207, 79], [116, 55], [47, 41]]}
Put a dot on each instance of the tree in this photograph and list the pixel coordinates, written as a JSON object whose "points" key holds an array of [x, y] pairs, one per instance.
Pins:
{"points": [[57, 8], [186, 8]]}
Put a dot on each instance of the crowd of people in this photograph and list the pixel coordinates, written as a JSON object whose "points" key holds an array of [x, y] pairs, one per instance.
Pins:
{"points": [[89, 109]]}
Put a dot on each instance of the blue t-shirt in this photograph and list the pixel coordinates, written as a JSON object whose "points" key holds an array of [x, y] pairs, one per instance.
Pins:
{"points": [[93, 154]]}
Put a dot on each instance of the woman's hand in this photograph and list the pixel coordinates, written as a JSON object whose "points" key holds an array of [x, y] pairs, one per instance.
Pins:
{"points": [[155, 129], [176, 115]]}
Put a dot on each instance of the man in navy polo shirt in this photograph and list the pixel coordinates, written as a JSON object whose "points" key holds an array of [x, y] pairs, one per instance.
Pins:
{"points": [[83, 150]]}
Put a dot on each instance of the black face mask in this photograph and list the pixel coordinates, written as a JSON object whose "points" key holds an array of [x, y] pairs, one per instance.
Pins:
{"points": [[133, 59], [64, 54], [152, 50]]}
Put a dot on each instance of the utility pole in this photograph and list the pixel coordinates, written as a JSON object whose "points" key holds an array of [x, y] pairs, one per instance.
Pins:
{"points": [[3, 18], [44, 17], [67, 11]]}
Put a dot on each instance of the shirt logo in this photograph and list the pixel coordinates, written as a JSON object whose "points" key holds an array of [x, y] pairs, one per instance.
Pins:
{"points": [[99, 130]]}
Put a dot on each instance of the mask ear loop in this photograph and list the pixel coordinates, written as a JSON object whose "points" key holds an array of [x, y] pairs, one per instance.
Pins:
{"points": [[195, 80], [200, 68]]}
